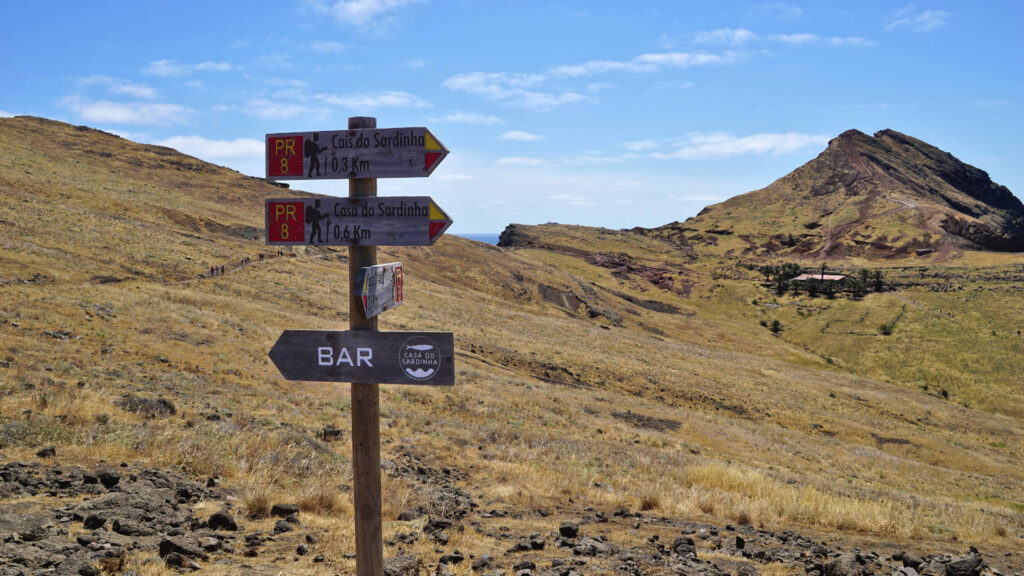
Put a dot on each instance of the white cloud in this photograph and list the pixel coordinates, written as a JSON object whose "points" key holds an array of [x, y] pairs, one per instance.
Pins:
{"points": [[455, 177], [645, 63], [922, 21], [415, 63], [991, 103], [127, 112], [468, 118], [524, 89], [122, 87], [730, 36], [386, 99], [273, 110], [327, 46], [6, 114], [174, 68], [574, 199], [851, 41], [511, 88], [802, 38], [641, 145], [520, 136], [521, 161], [707, 145], [781, 10], [360, 12], [212, 149]]}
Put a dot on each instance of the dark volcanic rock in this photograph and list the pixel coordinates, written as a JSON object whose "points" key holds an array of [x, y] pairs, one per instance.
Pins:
{"points": [[402, 566], [147, 407], [222, 520], [847, 564], [284, 510], [569, 529], [966, 566]]}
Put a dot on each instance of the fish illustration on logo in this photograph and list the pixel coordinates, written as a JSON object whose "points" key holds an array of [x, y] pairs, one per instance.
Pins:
{"points": [[419, 358]]}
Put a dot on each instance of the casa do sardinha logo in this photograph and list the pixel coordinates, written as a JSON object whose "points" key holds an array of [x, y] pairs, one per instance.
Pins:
{"points": [[419, 358]]}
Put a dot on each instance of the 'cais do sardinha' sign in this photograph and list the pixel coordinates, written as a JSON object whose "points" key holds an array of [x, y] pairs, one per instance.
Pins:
{"points": [[373, 221], [364, 153]]}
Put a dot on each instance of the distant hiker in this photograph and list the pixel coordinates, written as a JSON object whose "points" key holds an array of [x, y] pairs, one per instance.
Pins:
{"points": [[261, 256], [211, 271], [312, 151], [221, 268], [314, 216]]}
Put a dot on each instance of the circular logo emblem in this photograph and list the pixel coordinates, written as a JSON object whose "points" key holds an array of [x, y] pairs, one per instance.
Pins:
{"points": [[419, 358]]}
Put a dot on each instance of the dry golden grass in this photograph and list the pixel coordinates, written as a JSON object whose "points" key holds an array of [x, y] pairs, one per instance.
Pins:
{"points": [[765, 430]]}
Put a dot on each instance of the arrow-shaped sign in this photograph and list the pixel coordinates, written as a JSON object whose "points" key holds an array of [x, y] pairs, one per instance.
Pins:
{"points": [[373, 221], [363, 153], [366, 357]]}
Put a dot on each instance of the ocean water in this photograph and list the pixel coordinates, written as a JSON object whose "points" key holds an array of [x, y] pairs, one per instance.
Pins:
{"points": [[491, 239]]}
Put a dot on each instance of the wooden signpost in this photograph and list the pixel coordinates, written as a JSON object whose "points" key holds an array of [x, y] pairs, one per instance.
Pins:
{"points": [[360, 153], [386, 221], [381, 288], [361, 355]]}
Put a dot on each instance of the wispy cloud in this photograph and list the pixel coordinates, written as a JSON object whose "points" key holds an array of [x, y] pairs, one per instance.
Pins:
{"points": [[802, 38], [101, 111], [174, 68], [267, 109], [641, 145], [516, 89], [728, 36], [918, 21], [214, 149], [574, 199], [520, 161], [520, 136], [468, 118], [806, 38], [991, 103], [6, 114], [647, 63], [851, 41], [710, 145], [361, 12], [780, 10], [121, 87], [374, 100], [327, 46]]}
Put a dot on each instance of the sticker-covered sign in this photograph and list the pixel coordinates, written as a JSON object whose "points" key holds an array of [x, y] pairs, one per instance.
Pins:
{"points": [[380, 288], [370, 221], [362, 153]]}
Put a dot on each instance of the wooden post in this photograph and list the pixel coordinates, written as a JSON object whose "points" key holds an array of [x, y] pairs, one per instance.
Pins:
{"points": [[365, 405]]}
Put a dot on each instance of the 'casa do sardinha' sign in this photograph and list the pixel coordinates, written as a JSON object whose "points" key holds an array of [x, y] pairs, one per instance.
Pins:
{"points": [[361, 153]]}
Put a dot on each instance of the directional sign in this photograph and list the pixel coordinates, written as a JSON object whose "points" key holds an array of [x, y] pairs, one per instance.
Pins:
{"points": [[374, 221], [366, 357], [380, 288], [365, 153]]}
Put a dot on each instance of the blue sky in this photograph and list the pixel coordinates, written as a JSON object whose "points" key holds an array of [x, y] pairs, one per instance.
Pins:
{"points": [[598, 113]]}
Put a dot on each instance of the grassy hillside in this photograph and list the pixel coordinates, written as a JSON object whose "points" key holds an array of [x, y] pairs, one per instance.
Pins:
{"points": [[596, 370]]}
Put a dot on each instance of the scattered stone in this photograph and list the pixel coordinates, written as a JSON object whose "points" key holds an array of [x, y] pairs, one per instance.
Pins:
{"points": [[182, 547], [848, 564], [483, 562], [453, 558], [282, 526], [48, 452], [966, 566], [108, 478], [284, 510], [684, 546], [222, 520], [302, 549], [146, 407], [93, 522], [401, 566], [569, 530]]}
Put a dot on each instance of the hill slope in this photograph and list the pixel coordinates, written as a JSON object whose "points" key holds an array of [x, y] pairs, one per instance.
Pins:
{"points": [[877, 197], [597, 370]]}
